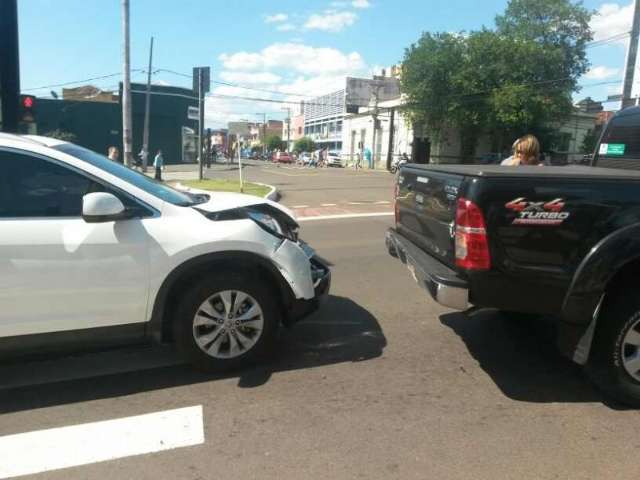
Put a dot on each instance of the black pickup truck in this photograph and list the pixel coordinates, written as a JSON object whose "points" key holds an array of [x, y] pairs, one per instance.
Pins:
{"points": [[562, 242]]}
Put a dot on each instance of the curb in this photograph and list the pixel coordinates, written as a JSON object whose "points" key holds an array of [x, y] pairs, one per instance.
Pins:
{"points": [[273, 195]]}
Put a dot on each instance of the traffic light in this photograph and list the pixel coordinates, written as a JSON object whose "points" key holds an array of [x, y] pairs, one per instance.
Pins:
{"points": [[27, 109]]}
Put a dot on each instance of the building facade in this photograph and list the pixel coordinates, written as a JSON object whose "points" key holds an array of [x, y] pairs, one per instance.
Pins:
{"points": [[393, 135], [324, 116], [97, 125]]}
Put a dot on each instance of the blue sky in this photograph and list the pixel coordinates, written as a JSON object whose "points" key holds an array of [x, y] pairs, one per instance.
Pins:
{"points": [[289, 46]]}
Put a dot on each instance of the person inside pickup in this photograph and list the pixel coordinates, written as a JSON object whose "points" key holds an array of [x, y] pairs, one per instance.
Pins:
{"points": [[526, 151]]}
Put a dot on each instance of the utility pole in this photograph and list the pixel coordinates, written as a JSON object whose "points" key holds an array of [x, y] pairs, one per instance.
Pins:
{"points": [[391, 138], [9, 66], [200, 126], [201, 83], [632, 56], [264, 132], [240, 163], [288, 110], [377, 85], [147, 107], [126, 85]]}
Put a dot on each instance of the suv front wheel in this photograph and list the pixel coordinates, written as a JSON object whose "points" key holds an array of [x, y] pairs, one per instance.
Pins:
{"points": [[226, 321]]}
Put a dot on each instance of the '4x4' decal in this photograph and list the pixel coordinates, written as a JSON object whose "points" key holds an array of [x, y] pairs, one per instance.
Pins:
{"points": [[538, 213]]}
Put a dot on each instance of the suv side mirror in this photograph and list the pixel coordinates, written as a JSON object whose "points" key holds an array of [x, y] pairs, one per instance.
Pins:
{"points": [[101, 207]]}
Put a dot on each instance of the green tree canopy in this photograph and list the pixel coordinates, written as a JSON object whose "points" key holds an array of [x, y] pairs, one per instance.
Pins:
{"points": [[517, 78], [304, 144], [273, 142]]}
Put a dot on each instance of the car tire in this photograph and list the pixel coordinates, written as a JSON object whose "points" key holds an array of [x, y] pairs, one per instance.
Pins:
{"points": [[611, 363], [216, 333]]}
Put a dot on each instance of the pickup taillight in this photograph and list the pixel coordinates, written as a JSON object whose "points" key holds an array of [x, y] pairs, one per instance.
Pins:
{"points": [[472, 244]]}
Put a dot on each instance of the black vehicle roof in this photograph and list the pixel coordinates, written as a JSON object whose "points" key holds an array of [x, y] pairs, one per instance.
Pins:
{"points": [[572, 171], [629, 111]]}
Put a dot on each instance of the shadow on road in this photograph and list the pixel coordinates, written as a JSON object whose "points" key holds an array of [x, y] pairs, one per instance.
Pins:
{"points": [[342, 331], [521, 358]]}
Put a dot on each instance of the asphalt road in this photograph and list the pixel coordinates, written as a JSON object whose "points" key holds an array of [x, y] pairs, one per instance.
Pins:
{"points": [[319, 191], [381, 383]]}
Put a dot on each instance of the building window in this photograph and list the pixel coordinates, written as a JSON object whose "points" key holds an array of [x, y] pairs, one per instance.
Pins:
{"points": [[299, 130]]}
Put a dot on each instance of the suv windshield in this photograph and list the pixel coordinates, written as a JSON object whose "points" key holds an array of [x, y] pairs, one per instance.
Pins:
{"points": [[137, 179]]}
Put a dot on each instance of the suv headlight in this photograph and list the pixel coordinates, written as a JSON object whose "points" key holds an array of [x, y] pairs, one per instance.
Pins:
{"points": [[265, 220], [267, 217]]}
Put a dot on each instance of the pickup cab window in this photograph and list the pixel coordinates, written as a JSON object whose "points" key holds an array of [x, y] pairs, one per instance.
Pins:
{"points": [[621, 140]]}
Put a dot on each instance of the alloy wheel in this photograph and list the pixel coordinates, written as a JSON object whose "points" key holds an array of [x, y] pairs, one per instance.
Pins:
{"points": [[228, 324]]}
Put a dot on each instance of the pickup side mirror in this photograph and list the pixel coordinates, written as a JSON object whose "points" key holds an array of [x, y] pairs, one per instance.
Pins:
{"points": [[100, 207]]}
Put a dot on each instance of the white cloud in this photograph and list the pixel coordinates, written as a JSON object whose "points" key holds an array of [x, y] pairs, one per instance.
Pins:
{"points": [[276, 18], [331, 21], [360, 4], [250, 78], [294, 57], [339, 4], [612, 19], [290, 68], [601, 72], [286, 27]]}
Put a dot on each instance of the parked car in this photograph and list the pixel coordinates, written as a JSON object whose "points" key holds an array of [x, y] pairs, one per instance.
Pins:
{"points": [[562, 242], [94, 252], [334, 159], [282, 157]]}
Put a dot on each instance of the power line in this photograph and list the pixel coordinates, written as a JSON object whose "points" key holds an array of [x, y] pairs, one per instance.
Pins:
{"points": [[236, 85], [605, 41], [78, 81]]}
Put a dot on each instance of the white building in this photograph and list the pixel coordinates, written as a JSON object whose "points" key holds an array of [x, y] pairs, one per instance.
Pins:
{"points": [[324, 116], [395, 136]]}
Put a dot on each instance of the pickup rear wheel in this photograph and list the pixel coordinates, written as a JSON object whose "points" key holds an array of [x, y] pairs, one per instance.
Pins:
{"points": [[614, 364], [226, 321]]}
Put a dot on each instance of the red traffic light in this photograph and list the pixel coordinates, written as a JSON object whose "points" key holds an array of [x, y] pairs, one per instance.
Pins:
{"points": [[27, 102]]}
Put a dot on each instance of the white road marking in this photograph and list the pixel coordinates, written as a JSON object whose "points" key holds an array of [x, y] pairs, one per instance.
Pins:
{"points": [[300, 206], [383, 202], [348, 215], [357, 203], [56, 448], [328, 204]]}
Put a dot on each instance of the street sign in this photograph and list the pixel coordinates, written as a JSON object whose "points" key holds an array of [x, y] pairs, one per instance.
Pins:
{"points": [[614, 98], [193, 113], [206, 79]]}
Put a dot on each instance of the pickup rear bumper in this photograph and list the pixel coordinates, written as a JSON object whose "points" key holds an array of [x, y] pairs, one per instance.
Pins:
{"points": [[443, 283]]}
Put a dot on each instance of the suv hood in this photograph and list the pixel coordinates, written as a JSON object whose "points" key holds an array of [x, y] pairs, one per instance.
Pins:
{"points": [[220, 201]]}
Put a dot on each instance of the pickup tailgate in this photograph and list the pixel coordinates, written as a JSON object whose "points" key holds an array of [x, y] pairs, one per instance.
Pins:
{"points": [[426, 206]]}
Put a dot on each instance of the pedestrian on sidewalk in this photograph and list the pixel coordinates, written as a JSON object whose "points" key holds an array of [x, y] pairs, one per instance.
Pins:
{"points": [[113, 153], [158, 164], [368, 157]]}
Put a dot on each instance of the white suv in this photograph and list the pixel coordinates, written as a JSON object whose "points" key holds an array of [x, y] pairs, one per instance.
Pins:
{"points": [[92, 252]]}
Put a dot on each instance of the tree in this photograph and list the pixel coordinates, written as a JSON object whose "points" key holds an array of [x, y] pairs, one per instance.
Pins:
{"points": [[517, 78], [430, 71], [273, 142], [304, 144]]}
